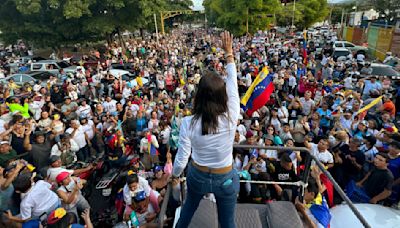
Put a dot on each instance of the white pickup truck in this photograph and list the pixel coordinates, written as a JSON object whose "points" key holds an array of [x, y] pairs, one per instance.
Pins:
{"points": [[352, 47]]}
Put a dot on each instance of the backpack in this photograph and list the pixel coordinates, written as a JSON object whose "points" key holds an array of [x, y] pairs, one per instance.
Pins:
{"points": [[66, 157]]}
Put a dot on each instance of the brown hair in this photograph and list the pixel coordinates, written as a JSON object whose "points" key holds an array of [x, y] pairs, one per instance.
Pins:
{"points": [[211, 101]]}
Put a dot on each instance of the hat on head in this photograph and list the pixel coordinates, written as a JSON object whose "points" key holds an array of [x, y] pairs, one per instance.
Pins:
{"points": [[4, 142], [53, 158], [67, 97], [249, 134], [140, 196], [269, 137], [240, 117], [157, 168], [56, 216], [364, 122], [62, 176]]}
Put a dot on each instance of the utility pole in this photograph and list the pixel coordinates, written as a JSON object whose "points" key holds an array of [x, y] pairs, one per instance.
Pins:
{"points": [[247, 21], [205, 19], [294, 10], [341, 24], [155, 24]]}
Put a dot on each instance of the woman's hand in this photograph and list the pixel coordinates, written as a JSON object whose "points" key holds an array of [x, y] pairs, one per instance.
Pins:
{"points": [[227, 40]]}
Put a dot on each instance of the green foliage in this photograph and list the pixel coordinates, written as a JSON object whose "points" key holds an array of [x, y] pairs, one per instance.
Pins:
{"points": [[233, 15], [61, 22], [307, 13]]}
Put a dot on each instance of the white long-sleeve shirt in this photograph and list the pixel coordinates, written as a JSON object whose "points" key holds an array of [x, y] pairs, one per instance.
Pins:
{"points": [[212, 150]]}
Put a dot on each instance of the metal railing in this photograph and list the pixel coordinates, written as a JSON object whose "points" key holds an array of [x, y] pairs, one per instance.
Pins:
{"points": [[302, 183]]}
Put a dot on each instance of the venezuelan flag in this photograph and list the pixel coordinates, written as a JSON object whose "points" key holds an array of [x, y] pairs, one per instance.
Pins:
{"points": [[305, 47], [259, 92], [320, 210]]}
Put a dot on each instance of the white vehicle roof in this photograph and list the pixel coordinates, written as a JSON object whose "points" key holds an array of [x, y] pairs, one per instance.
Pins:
{"points": [[341, 49], [116, 72], [380, 65], [377, 216]]}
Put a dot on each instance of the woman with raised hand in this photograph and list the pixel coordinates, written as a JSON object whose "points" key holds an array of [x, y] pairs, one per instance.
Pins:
{"points": [[208, 136]]}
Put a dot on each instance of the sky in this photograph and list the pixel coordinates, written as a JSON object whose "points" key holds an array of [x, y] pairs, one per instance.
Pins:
{"points": [[198, 4]]}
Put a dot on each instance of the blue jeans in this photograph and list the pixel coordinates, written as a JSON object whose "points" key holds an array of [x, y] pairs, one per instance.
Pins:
{"points": [[225, 187]]}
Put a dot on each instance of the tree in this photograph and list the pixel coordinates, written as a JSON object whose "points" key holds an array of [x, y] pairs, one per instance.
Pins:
{"points": [[240, 16], [306, 14], [61, 22]]}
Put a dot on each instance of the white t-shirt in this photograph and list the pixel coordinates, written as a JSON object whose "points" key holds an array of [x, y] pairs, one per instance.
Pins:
{"points": [[110, 106], [325, 157], [88, 129], [37, 200], [135, 108], [2, 128], [84, 110], [307, 105], [79, 136]]}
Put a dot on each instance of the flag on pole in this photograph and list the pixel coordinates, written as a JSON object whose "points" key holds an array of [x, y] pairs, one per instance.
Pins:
{"points": [[259, 92], [305, 47], [368, 106]]}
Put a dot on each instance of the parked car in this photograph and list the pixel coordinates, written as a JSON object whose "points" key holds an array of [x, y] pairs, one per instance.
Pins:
{"points": [[30, 77], [53, 66], [352, 47], [127, 76], [383, 70], [125, 66], [340, 52]]}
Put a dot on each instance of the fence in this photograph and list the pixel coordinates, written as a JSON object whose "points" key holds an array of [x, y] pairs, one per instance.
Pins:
{"points": [[380, 40]]}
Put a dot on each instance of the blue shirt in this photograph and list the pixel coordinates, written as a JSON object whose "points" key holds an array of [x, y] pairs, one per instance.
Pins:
{"points": [[325, 117], [141, 124]]}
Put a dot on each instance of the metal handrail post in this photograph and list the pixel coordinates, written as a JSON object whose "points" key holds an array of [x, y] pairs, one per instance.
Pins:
{"points": [[164, 206]]}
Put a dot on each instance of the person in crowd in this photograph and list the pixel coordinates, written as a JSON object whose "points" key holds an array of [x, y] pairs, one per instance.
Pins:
{"points": [[37, 198], [55, 168], [377, 184], [7, 153], [39, 150], [70, 193]]}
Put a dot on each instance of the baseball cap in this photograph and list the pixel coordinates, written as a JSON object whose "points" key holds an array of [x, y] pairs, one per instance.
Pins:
{"points": [[157, 168], [53, 158], [4, 142], [364, 122], [249, 134], [269, 137], [56, 216], [140, 196], [62, 176]]}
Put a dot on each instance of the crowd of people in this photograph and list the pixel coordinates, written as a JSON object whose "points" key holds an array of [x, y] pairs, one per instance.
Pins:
{"points": [[48, 127]]}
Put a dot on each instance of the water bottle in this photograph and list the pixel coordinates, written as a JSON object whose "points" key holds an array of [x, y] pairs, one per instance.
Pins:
{"points": [[134, 219]]}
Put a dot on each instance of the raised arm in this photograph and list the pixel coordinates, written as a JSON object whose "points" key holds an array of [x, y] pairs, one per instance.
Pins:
{"points": [[231, 81]]}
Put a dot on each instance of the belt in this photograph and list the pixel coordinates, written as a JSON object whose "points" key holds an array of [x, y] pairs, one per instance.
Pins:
{"points": [[206, 169]]}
